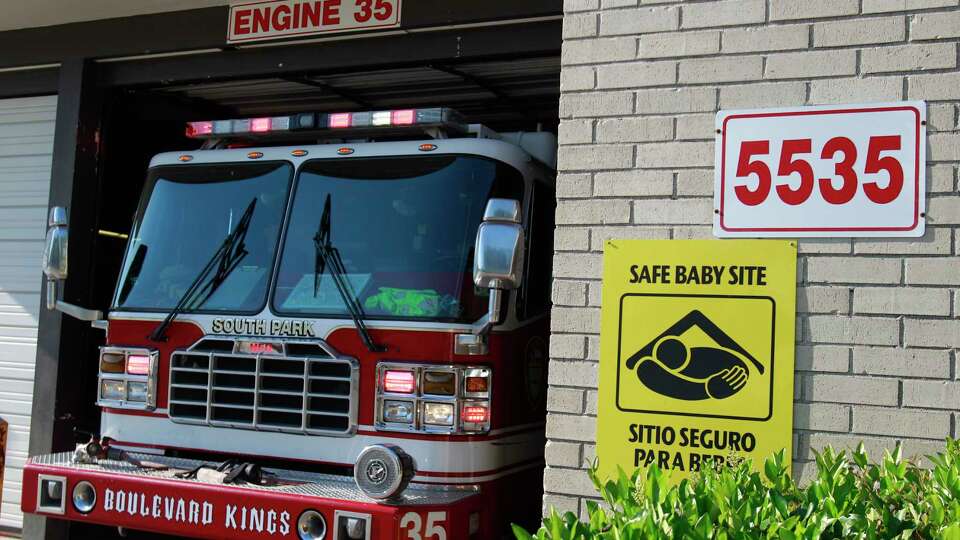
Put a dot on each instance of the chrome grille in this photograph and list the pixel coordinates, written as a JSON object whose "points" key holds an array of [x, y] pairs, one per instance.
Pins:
{"points": [[305, 388]]}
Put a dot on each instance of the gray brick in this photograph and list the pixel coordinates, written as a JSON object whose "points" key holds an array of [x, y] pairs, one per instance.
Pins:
{"points": [[679, 211], [592, 212], [683, 44], [852, 330], [933, 242], [597, 156], [866, 90], [781, 10], [823, 300], [578, 26], [595, 294], [588, 51], [634, 183], [933, 271], [569, 481], [943, 147], [782, 94], [574, 185], [931, 333], [944, 210], [576, 265], [562, 454], [896, 362], [680, 100], [579, 320], [901, 422], [935, 25], [577, 78], [940, 178], [821, 417], [695, 126], [901, 301], [567, 346], [853, 270], [824, 358], [596, 104], [874, 446], [887, 6], [569, 293], [859, 32], [694, 182], [571, 239], [811, 64], [909, 57], [575, 131], [941, 117], [636, 74], [918, 450], [572, 428], [851, 389], [570, 6], [932, 394], [721, 69], [701, 232], [726, 13], [578, 374], [561, 503], [600, 235], [807, 246], [935, 87], [639, 21], [677, 154], [772, 38], [634, 129], [565, 400]]}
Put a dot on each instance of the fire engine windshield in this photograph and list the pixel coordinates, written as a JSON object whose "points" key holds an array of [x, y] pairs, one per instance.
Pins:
{"points": [[405, 228], [184, 216]]}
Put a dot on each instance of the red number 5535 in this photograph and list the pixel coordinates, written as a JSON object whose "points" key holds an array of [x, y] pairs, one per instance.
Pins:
{"points": [[841, 151]]}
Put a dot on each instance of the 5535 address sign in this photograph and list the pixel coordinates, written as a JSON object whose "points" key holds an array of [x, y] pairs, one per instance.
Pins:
{"points": [[821, 171]]}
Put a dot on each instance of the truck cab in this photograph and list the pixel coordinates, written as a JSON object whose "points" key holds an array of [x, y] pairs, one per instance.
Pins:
{"points": [[326, 325]]}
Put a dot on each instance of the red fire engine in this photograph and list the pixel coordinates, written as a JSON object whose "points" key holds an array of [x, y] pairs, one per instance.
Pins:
{"points": [[344, 340]]}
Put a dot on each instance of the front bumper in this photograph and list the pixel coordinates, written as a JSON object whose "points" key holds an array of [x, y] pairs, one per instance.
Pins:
{"points": [[153, 499]]}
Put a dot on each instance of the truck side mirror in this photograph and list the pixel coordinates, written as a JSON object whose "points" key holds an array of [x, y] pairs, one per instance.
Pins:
{"points": [[55, 248], [498, 263], [55, 268]]}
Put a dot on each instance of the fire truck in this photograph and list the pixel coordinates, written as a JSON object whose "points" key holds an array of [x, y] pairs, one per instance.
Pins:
{"points": [[326, 326]]}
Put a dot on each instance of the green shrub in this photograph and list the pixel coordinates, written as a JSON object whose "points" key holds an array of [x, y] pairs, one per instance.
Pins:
{"points": [[848, 498]]}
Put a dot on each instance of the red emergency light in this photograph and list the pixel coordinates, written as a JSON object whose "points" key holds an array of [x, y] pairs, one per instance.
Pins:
{"points": [[339, 122]]}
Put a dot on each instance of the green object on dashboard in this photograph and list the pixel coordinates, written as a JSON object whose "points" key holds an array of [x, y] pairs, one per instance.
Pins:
{"points": [[412, 302]]}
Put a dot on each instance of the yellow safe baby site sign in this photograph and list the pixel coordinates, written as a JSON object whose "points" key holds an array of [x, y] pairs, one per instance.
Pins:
{"points": [[697, 343]]}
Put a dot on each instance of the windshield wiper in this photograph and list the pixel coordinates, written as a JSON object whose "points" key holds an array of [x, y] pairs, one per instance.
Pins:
{"points": [[328, 256], [224, 261]]}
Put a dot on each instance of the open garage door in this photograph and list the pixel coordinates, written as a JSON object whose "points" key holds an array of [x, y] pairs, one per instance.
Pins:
{"points": [[26, 144]]}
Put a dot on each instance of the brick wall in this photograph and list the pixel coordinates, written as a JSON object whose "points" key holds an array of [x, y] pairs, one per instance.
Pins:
{"points": [[877, 327]]}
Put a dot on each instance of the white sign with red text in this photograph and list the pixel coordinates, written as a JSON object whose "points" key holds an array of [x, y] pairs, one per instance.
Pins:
{"points": [[257, 20], [847, 170]]}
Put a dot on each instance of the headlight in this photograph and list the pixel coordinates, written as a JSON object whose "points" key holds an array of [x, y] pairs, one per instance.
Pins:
{"points": [[438, 414], [398, 411], [137, 391], [432, 398], [112, 389], [128, 378]]}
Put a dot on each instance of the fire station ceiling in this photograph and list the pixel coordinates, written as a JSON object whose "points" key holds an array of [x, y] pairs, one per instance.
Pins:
{"points": [[498, 93]]}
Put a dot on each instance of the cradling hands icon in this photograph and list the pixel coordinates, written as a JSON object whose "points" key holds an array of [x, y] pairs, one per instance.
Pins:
{"points": [[670, 367]]}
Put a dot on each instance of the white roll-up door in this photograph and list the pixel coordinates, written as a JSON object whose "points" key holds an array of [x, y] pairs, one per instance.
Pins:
{"points": [[26, 145]]}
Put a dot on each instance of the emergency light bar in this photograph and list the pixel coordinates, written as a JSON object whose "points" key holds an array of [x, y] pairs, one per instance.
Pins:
{"points": [[341, 123]]}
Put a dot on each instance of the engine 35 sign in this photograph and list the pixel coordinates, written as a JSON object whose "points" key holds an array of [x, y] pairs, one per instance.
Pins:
{"points": [[821, 171], [257, 20], [697, 343]]}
